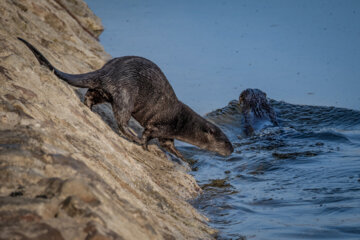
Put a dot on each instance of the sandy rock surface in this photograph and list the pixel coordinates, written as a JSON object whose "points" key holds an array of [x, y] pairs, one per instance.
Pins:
{"points": [[64, 172]]}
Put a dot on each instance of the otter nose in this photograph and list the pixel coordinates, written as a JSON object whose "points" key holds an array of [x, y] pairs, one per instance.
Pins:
{"points": [[231, 149], [228, 149]]}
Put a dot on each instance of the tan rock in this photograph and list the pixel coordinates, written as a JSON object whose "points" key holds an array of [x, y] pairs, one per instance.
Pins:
{"points": [[80, 11], [65, 173]]}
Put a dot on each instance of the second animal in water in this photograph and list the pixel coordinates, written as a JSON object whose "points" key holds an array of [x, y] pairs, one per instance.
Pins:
{"points": [[256, 111]]}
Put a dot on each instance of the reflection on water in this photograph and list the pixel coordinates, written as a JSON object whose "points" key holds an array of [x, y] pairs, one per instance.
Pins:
{"points": [[298, 180]]}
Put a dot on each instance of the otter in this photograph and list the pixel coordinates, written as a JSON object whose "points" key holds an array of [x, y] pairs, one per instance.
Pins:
{"points": [[255, 110], [136, 87]]}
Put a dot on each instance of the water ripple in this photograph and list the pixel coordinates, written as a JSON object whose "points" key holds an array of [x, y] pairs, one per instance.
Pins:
{"points": [[287, 182]]}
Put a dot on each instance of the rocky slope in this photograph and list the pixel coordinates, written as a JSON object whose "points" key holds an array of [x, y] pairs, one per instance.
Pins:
{"points": [[64, 172]]}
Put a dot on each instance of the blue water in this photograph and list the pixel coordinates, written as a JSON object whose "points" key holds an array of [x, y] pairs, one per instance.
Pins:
{"points": [[299, 51], [300, 180]]}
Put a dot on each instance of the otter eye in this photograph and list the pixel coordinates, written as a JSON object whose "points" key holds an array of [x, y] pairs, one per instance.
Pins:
{"points": [[208, 130], [211, 130], [205, 130]]}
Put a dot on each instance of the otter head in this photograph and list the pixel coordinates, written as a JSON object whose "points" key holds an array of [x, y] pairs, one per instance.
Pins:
{"points": [[254, 100], [256, 110], [210, 137], [202, 133]]}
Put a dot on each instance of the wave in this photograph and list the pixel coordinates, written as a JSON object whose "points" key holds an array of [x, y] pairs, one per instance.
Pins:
{"points": [[307, 164], [302, 121]]}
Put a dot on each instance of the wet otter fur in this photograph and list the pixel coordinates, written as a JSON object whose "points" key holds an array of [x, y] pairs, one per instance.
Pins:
{"points": [[255, 109], [136, 87]]}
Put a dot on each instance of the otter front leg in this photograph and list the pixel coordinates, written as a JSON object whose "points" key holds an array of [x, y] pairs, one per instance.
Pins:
{"points": [[168, 145], [146, 137], [93, 97], [122, 108]]}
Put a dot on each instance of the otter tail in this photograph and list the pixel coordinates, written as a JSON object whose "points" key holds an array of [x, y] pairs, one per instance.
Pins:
{"points": [[86, 80]]}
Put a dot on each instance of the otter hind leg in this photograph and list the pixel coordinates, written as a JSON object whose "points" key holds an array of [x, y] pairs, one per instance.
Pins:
{"points": [[93, 97]]}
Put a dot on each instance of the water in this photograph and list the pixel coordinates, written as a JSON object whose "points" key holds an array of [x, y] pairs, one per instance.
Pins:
{"points": [[299, 51], [300, 180]]}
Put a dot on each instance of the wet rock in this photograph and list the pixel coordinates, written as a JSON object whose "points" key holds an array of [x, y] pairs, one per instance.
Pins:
{"points": [[293, 155], [217, 183], [65, 173]]}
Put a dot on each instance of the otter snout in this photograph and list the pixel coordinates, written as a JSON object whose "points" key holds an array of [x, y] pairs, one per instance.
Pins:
{"points": [[222, 147], [218, 142], [227, 149]]}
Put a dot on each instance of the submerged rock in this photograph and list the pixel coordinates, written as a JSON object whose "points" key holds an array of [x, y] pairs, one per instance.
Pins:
{"points": [[64, 172]]}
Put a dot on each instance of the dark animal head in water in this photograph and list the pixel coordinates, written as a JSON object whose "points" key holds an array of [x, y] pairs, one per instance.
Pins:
{"points": [[255, 109]]}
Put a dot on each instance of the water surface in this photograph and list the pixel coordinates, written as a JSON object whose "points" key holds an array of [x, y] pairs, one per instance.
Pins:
{"points": [[300, 180], [299, 51]]}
